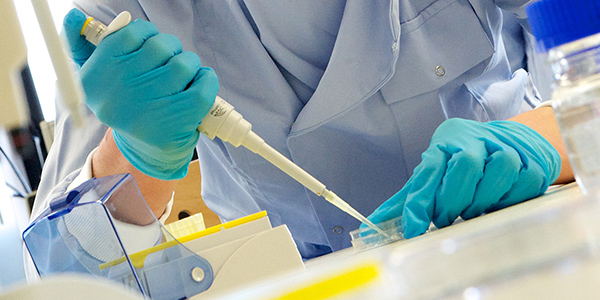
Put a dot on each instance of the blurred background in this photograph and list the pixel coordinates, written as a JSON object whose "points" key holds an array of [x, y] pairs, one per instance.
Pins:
{"points": [[21, 165], [39, 60]]}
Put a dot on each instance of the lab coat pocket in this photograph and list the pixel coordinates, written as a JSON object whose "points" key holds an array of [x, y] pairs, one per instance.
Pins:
{"points": [[439, 44]]}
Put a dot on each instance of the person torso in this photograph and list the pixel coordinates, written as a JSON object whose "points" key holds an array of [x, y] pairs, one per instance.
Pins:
{"points": [[349, 90]]}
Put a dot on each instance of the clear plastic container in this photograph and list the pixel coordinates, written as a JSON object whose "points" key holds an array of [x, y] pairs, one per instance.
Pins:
{"points": [[569, 30], [367, 238], [577, 109]]}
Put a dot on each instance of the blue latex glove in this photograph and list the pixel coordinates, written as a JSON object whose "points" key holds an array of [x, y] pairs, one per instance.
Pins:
{"points": [[79, 47], [471, 168], [140, 83]]}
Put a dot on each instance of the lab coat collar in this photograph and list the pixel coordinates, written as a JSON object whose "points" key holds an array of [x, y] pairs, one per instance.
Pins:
{"points": [[363, 59]]}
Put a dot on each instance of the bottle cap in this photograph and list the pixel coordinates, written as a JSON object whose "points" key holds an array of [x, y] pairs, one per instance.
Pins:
{"points": [[557, 22]]}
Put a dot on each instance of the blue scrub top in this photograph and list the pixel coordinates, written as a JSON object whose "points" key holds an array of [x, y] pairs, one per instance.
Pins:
{"points": [[349, 90]]}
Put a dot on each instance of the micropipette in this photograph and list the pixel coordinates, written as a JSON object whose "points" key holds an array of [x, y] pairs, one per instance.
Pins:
{"points": [[224, 122]]}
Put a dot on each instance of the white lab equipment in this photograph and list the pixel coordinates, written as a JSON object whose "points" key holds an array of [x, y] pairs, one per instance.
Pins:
{"points": [[86, 227], [224, 122], [570, 31], [69, 287], [104, 228]]}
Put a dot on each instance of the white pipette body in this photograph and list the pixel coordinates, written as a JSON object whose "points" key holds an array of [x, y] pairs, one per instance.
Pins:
{"points": [[224, 122]]}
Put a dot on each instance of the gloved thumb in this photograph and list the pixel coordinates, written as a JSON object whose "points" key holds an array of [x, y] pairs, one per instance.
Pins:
{"points": [[80, 48]]}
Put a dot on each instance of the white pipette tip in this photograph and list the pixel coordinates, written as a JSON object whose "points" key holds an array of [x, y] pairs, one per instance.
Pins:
{"points": [[341, 204]]}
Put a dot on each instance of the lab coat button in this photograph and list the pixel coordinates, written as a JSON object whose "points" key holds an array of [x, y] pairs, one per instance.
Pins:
{"points": [[338, 229], [440, 71]]}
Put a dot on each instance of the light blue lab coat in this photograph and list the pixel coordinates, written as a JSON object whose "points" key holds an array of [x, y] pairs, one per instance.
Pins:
{"points": [[349, 90]]}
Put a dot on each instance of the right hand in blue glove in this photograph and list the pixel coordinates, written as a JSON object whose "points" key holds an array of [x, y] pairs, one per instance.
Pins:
{"points": [[153, 95], [471, 168]]}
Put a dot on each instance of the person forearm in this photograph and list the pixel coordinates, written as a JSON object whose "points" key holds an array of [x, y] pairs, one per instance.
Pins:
{"points": [[543, 121], [108, 160]]}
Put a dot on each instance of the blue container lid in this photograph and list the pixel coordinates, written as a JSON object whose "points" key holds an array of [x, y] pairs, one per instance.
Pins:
{"points": [[557, 22]]}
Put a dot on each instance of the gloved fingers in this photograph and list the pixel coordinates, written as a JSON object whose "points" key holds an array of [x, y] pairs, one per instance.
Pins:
{"points": [[192, 105], [128, 39], [420, 201], [155, 52], [531, 183], [500, 173], [463, 172], [173, 77], [205, 83], [203, 90], [79, 48], [391, 208]]}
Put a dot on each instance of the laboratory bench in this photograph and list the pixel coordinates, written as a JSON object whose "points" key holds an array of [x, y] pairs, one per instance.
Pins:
{"points": [[544, 248]]}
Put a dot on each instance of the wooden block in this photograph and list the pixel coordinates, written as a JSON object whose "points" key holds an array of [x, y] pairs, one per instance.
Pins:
{"points": [[188, 200]]}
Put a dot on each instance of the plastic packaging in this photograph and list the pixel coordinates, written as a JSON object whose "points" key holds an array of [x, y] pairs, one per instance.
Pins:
{"points": [[570, 31], [100, 227]]}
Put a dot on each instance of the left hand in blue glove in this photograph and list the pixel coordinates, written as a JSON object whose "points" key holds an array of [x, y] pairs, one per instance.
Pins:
{"points": [[153, 95], [471, 168]]}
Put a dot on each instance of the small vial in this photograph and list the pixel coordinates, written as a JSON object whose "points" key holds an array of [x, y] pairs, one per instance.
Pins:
{"points": [[569, 30]]}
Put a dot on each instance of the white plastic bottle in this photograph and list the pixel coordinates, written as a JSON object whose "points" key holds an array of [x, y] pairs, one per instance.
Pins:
{"points": [[570, 31]]}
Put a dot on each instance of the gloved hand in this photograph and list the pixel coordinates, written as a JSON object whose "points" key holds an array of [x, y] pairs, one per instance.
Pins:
{"points": [[471, 168], [140, 83], [79, 47]]}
